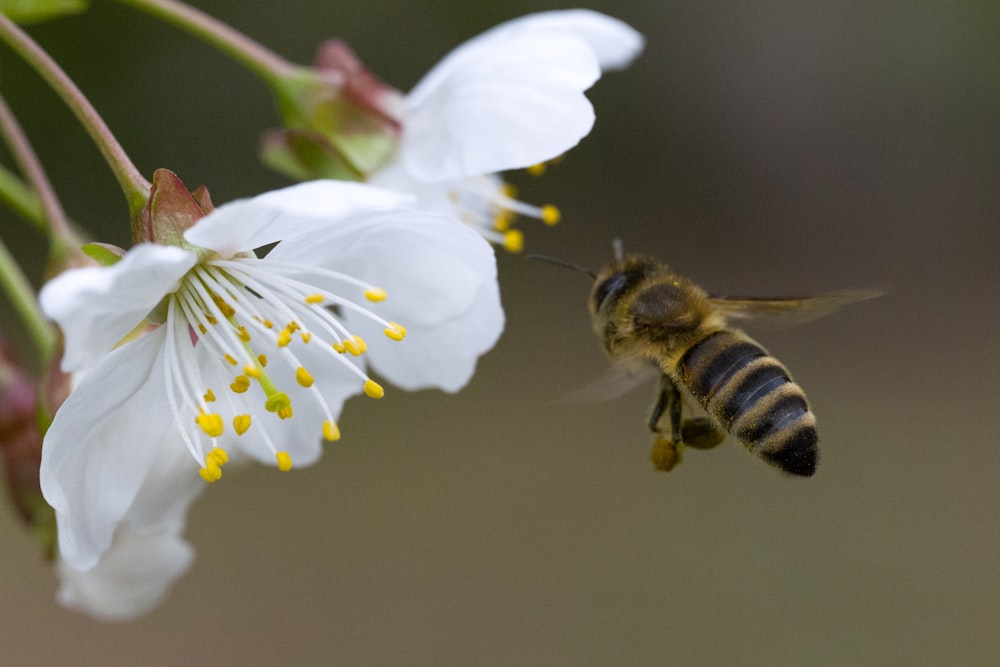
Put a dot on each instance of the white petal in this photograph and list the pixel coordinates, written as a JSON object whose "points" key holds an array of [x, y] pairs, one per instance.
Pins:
{"points": [[246, 224], [101, 446], [431, 265], [500, 104], [441, 354], [615, 43], [96, 307], [132, 577]]}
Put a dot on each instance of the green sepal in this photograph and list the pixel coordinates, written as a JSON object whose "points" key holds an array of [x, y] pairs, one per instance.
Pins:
{"points": [[36, 11], [103, 253]]}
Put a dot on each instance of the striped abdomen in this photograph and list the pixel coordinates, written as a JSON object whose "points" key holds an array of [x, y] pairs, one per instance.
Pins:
{"points": [[752, 397]]}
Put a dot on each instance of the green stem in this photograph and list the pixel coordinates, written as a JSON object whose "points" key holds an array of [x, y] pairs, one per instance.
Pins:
{"points": [[133, 185], [265, 63], [21, 199], [22, 297]]}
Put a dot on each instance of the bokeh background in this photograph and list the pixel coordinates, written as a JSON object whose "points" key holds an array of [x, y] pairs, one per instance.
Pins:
{"points": [[763, 148]]}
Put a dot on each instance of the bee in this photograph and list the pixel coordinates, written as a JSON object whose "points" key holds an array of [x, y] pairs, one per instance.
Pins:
{"points": [[645, 314]]}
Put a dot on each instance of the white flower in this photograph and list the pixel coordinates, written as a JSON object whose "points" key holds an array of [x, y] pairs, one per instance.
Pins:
{"points": [[510, 98], [251, 356]]}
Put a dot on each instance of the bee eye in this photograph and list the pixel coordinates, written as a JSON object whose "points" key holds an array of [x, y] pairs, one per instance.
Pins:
{"points": [[607, 288]]}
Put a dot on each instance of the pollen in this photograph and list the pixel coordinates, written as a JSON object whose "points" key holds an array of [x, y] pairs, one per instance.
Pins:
{"points": [[330, 431], [210, 423], [285, 337], [229, 358], [252, 371], [243, 334], [550, 215], [314, 298], [284, 461], [537, 169], [395, 331], [375, 294], [303, 377], [373, 389], [241, 424], [513, 241], [262, 360], [202, 329], [214, 461], [240, 384], [306, 336], [209, 396], [355, 345], [224, 307]]}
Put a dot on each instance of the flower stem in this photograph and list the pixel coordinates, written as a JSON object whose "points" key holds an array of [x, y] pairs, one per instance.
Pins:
{"points": [[133, 185], [262, 61], [22, 297], [53, 217], [21, 199]]}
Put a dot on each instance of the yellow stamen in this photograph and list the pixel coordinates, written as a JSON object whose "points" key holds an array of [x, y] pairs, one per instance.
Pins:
{"points": [[306, 336], [355, 345], [285, 337], [262, 360], [252, 371], [373, 389], [241, 423], [314, 298], [550, 215], [210, 423], [229, 358], [509, 190], [537, 169], [513, 241], [226, 309], [209, 396], [243, 334], [240, 384], [303, 377], [202, 329], [339, 347], [502, 220], [218, 455], [284, 461], [330, 431], [375, 294], [211, 319], [395, 331], [285, 413], [210, 474]]}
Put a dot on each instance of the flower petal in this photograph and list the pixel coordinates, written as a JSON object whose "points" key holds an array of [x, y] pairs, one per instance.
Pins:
{"points": [[101, 446], [500, 104], [441, 354], [615, 43], [246, 224], [440, 278], [131, 579], [96, 307]]}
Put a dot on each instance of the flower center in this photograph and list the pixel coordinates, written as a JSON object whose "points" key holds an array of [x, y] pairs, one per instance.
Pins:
{"points": [[250, 323]]}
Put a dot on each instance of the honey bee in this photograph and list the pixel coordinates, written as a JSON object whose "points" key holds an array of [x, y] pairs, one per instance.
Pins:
{"points": [[645, 314]]}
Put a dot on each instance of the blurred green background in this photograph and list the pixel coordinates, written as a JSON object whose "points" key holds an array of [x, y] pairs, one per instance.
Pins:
{"points": [[762, 148]]}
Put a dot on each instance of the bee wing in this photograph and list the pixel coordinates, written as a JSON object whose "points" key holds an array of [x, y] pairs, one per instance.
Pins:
{"points": [[617, 381], [787, 311]]}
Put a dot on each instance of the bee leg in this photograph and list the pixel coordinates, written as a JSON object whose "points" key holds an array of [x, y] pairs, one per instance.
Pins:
{"points": [[701, 433], [666, 450]]}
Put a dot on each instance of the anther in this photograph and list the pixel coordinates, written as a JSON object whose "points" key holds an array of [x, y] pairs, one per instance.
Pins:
{"points": [[241, 424], [243, 334], [375, 294], [303, 377], [209, 396], [513, 241], [210, 423], [537, 169], [550, 214], [314, 298], [262, 360], [330, 431], [395, 331], [284, 461], [252, 371], [285, 337], [373, 389], [277, 402], [229, 358], [240, 384]]}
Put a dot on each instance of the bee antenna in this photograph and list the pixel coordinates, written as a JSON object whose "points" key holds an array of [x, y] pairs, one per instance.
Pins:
{"points": [[618, 249], [561, 262]]}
